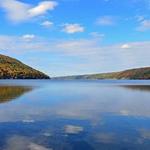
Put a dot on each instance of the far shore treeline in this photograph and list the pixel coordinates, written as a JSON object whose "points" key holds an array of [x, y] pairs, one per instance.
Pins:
{"points": [[132, 74]]}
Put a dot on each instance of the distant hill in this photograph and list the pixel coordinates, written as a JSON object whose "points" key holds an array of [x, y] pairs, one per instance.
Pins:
{"points": [[133, 74], [11, 68]]}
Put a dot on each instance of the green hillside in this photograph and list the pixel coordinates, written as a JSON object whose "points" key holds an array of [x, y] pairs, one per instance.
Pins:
{"points": [[133, 74], [11, 68]]}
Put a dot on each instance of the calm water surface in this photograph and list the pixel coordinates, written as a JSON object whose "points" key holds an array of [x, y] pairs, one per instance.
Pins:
{"points": [[74, 115]]}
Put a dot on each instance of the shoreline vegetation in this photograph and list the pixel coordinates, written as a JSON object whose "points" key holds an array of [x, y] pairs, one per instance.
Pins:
{"points": [[11, 68], [131, 74]]}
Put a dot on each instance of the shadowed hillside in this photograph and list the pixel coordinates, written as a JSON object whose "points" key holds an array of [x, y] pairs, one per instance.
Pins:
{"points": [[11, 68]]}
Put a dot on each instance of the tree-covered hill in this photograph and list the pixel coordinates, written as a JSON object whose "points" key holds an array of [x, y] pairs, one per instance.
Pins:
{"points": [[132, 74], [11, 68]]}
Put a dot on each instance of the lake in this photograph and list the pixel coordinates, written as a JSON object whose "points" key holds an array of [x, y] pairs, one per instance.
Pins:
{"points": [[74, 115]]}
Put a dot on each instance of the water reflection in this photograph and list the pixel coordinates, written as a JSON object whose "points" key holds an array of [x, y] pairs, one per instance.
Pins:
{"points": [[76, 116], [138, 87], [8, 93], [23, 143], [71, 129]]}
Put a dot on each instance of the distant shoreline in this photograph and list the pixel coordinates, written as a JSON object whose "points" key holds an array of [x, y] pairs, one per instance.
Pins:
{"points": [[131, 74]]}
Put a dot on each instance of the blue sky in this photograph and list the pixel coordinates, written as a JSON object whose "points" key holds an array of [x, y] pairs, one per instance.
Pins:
{"points": [[66, 37]]}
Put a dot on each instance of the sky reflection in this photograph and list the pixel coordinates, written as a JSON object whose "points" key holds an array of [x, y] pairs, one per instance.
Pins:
{"points": [[70, 116]]}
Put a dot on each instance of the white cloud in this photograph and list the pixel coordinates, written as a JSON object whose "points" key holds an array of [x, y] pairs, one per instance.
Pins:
{"points": [[124, 112], [17, 142], [105, 21], [18, 11], [73, 28], [42, 8], [144, 25], [47, 24], [33, 146], [72, 129], [89, 54], [28, 37], [125, 46]]}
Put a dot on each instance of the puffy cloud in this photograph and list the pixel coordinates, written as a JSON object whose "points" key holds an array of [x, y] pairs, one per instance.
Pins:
{"points": [[28, 37], [18, 11], [47, 24], [124, 112], [105, 21], [73, 28], [125, 46], [72, 129], [42, 8]]}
